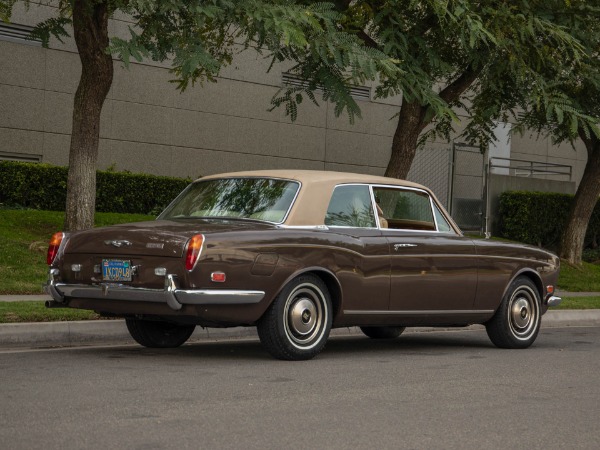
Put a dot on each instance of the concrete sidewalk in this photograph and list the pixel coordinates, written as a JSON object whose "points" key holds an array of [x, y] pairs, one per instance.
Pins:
{"points": [[111, 332], [24, 298]]}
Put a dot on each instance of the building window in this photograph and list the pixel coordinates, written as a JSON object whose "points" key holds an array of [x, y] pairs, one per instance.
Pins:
{"points": [[23, 157], [17, 33], [357, 92]]}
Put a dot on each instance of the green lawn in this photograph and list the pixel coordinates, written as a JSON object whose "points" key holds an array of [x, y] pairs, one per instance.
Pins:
{"points": [[14, 312], [24, 236], [579, 279], [579, 303]]}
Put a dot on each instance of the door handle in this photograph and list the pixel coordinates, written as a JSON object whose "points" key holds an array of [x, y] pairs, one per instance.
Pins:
{"points": [[398, 246]]}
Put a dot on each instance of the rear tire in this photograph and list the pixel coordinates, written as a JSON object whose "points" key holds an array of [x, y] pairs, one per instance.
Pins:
{"points": [[517, 321], [382, 332], [297, 324], [155, 334]]}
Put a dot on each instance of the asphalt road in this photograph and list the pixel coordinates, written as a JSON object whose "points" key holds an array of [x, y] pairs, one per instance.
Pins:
{"points": [[425, 390]]}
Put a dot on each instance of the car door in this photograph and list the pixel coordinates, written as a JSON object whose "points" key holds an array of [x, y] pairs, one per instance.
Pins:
{"points": [[361, 253], [433, 269]]}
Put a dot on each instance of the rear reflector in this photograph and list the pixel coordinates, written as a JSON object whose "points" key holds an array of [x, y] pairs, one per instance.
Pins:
{"points": [[194, 247], [217, 277], [54, 246]]}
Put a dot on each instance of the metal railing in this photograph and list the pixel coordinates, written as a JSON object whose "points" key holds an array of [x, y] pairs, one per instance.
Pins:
{"points": [[519, 168], [526, 168]]}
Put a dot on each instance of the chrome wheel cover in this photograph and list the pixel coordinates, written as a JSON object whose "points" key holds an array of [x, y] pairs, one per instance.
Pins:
{"points": [[304, 316], [523, 312]]}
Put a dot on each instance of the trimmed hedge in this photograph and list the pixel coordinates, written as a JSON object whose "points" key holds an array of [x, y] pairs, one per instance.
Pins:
{"points": [[43, 186], [539, 218]]}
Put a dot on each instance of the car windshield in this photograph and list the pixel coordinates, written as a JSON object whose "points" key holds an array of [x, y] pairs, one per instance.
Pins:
{"points": [[246, 198]]}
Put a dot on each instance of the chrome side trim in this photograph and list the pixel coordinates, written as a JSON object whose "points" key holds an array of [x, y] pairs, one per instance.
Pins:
{"points": [[219, 297], [553, 301], [171, 294], [397, 246], [304, 227], [419, 313]]}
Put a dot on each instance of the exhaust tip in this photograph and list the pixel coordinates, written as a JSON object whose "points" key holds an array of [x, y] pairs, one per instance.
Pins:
{"points": [[54, 304]]}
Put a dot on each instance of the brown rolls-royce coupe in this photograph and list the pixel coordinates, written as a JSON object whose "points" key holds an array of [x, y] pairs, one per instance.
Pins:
{"points": [[296, 253]]}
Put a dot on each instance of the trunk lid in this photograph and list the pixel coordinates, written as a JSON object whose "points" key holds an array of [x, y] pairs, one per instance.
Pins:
{"points": [[154, 238]]}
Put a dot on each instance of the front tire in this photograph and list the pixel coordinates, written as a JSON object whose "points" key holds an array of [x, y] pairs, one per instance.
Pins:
{"points": [[382, 332], [297, 324], [517, 321], [155, 334]]}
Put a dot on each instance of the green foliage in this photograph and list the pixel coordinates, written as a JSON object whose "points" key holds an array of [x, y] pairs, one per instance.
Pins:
{"points": [[539, 218], [330, 62], [43, 186], [199, 38], [492, 59], [55, 26], [569, 106], [6, 9]]}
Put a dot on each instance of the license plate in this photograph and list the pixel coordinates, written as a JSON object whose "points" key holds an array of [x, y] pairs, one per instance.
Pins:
{"points": [[116, 270]]}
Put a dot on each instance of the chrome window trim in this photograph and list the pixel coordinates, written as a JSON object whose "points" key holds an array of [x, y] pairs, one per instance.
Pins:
{"points": [[374, 206], [352, 228], [435, 221], [409, 188], [303, 227], [434, 207]]}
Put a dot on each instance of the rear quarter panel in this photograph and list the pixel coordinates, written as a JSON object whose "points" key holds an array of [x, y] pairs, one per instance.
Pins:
{"points": [[268, 260]]}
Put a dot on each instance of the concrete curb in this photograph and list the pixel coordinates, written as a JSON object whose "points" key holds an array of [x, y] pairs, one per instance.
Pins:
{"points": [[103, 332]]}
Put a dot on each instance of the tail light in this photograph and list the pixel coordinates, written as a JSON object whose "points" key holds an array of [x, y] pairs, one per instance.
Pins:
{"points": [[194, 247], [55, 242]]}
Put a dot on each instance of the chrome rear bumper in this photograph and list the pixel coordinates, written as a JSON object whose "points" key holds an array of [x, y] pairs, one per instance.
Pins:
{"points": [[172, 295]]}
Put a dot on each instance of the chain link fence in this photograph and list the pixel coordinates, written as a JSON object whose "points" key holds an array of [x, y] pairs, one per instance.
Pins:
{"points": [[431, 168], [467, 197], [456, 175]]}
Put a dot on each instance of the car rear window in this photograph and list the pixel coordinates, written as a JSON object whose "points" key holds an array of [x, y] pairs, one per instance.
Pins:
{"points": [[264, 199]]}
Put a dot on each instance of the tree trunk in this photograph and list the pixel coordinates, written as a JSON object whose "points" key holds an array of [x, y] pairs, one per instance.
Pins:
{"points": [[404, 144], [583, 205], [90, 29], [411, 122]]}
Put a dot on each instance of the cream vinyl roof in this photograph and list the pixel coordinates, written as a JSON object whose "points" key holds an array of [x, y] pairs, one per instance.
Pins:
{"points": [[311, 204]]}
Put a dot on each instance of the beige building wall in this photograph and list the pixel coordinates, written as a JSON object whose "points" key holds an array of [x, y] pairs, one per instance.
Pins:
{"points": [[149, 126]]}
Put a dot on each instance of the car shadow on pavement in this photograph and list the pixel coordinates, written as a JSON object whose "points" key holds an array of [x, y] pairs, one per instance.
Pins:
{"points": [[408, 344]]}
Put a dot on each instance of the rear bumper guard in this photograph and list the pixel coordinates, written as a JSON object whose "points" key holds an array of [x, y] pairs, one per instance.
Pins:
{"points": [[172, 295], [552, 300]]}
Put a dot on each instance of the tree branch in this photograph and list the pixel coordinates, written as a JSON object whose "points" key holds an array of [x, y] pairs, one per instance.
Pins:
{"points": [[591, 142], [368, 40], [454, 90]]}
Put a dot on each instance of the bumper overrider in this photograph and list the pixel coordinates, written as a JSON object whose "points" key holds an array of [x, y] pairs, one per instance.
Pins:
{"points": [[171, 294], [552, 300]]}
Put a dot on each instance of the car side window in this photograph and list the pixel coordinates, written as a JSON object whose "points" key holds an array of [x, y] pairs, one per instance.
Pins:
{"points": [[405, 209], [350, 206], [442, 223]]}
